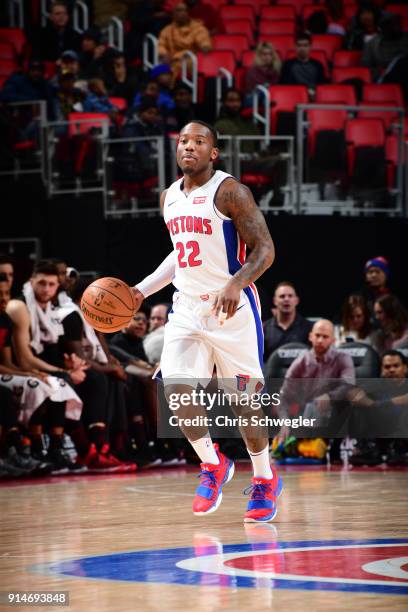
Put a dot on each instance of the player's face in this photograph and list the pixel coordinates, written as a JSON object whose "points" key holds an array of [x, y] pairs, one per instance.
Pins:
{"points": [[45, 287], [8, 270], [393, 367], [321, 338], [286, 300], [195, 149], [4, 295]]}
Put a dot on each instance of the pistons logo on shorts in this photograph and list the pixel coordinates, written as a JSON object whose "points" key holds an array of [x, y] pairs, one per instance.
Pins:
{"points": [[242, 381]]}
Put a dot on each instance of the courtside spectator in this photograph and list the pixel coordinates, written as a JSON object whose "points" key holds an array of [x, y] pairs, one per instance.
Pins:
{"points": [[393, 319], [7, 268], [265, 69], [287, 325], [182, 34], [377, 272], [355, 322], [57, 36], [153, 342], [303, 69]]}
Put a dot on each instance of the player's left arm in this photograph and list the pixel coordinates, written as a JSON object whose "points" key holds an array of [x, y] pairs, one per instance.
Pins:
{"points": [[236, 201]]}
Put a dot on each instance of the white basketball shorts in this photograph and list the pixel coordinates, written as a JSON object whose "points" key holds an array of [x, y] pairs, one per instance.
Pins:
{"points": [[194, 341]]}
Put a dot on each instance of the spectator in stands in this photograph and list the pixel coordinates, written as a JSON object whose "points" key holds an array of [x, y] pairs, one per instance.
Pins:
{"points": [[265, 69], [287, 325], [184, 110], [145, 16], [7, 268], [57, 36], [303, 69], [317, 22], [68, 62], [364, 26], [385, 46], [29, 85], [121, 81], [232, 122], [393, 319], [154, 340], [92, 55], [98, 101], [162, 96], [355, 321], [377, 272], [391, 395], [321, 367], [207, 14], [336, 18], [182, 34], [69, 99]]}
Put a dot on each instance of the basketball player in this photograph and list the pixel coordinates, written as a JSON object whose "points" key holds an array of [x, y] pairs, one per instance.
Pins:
{"points": [[216, 319]]}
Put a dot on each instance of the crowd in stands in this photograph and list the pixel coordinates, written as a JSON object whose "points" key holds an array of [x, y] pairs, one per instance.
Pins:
{"points": [[74, 400]]}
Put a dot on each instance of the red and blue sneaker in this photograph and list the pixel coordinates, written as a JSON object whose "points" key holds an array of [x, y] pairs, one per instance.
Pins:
{"points": [[264, 492], [208, 495]]}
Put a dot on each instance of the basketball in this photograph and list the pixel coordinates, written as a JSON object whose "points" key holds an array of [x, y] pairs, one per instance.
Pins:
{"points": [[108, 304]]}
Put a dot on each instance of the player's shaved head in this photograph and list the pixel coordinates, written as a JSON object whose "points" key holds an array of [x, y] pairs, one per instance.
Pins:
{"points": [[203, 124]]}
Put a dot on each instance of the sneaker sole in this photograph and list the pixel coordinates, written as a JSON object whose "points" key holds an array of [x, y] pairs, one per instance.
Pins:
{"points": [[215, 507], [273, 516]]}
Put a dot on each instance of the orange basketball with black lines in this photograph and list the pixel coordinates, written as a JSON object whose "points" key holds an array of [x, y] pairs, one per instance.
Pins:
{"points": [[108, 304]]}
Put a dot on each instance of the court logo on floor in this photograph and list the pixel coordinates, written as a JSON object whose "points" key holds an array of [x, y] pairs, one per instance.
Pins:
{"points": [[364, 566]]}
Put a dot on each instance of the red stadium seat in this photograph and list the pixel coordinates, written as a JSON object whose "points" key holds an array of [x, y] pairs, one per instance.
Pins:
{"points": [[330, 43], [120, 103], [309, 9], [346, 59], [257, 5], [247, 58], [320, 56], [297, 4], [285, 98], [350, 10], [282, 44], [320, 120], [335, 94], [277, 27], [7, 51], [7, 67], [14, 36], [238, 43], [240, 26], [244, 11], [391, 155], [387, 117], [363, 133], [209, 63], [383, 92], [278, 13], [398, 9], [339, 75]]}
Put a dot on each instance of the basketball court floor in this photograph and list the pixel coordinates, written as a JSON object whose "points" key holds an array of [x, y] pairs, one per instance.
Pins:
{"points": [[130, 542]]}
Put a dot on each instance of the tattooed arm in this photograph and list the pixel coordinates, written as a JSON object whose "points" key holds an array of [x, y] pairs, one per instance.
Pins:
{"points": [[236, 202]]}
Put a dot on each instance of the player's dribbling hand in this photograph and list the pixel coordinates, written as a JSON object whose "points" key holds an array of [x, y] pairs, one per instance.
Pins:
{"points": [[226, 302], [139, 297]]}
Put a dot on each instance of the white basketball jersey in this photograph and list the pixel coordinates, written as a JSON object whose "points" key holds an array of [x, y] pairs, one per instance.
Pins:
{"points": [[208, 248]]}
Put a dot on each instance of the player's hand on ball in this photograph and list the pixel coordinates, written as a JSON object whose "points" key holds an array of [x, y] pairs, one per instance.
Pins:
{"points": [[226, 302], [138, 296]]}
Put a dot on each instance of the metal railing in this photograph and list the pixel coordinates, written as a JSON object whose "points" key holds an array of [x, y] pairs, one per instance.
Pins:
{"points": [[28, 153], [129, 187], [150, 52], [115, 33], [29, 248], [189, 64], [16, 13], [348, 206]]}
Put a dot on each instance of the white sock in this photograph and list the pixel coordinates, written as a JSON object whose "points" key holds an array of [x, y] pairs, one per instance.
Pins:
{"points": [[205, 450], [260, 463]]}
